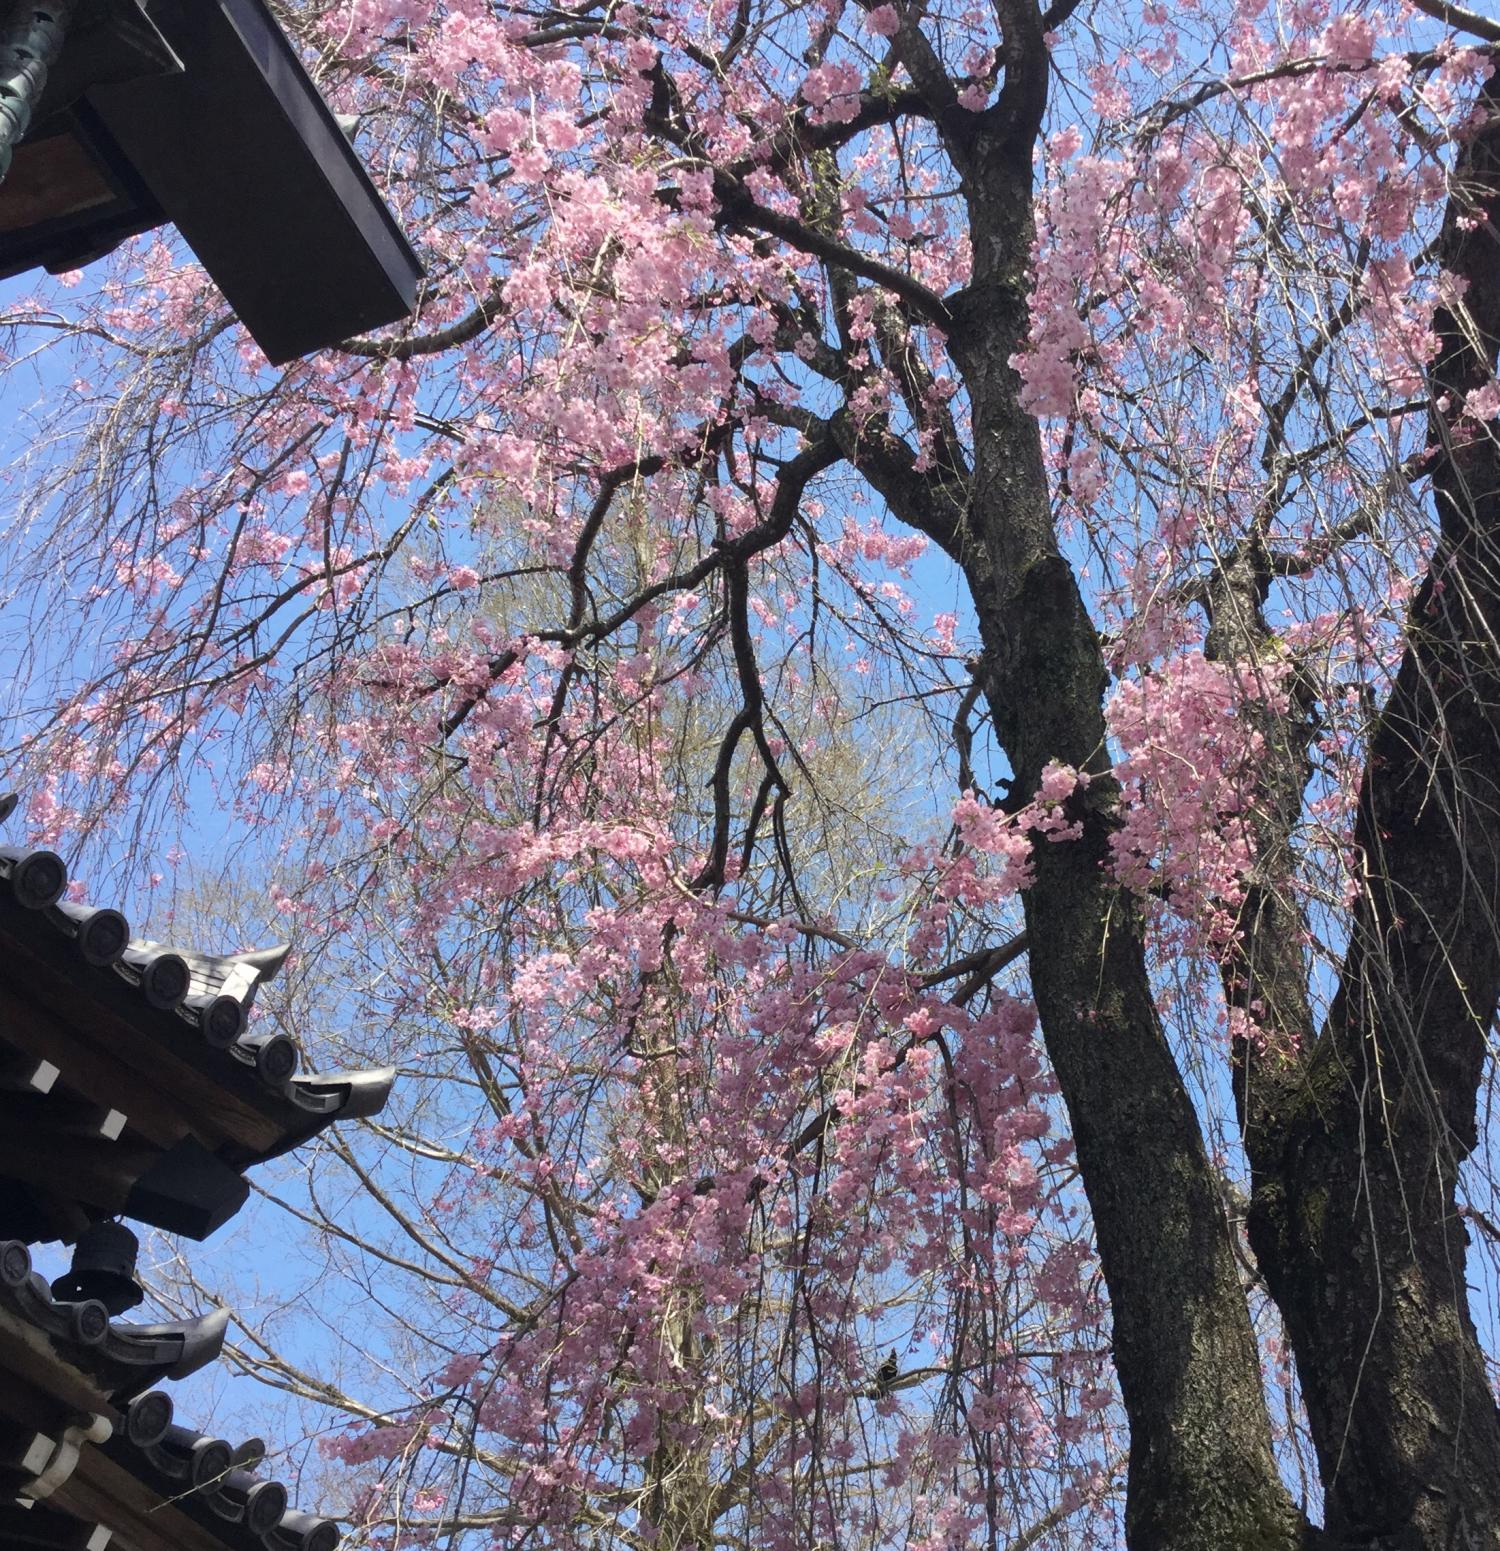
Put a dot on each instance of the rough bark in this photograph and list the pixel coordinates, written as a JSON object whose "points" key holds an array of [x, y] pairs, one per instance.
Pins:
{"points": [[1354, 1136], [1356, 1140], [1202, 1474]]}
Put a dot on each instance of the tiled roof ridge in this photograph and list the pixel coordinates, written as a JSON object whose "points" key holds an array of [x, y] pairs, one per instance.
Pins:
{"points": [[213, 1482], [123, 1359], [217, 1007], [199, 1474], [211, 993]]}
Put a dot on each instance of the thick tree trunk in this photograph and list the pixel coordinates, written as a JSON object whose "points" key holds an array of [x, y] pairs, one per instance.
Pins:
{"points": [[1354, 1218], [1356, 1142], [1355, 1137], [1202, 1473]]}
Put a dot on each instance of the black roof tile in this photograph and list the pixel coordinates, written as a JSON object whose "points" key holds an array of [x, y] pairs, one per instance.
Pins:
{"points": [[131, 1423], [214, 1483], [177, 1018], [121, 1359]]}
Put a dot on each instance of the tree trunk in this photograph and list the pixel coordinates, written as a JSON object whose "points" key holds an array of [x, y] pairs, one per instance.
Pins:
{"points": [[1202, 1474], [1356, 1142]]}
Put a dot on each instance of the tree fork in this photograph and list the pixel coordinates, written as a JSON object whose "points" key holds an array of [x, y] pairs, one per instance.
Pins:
{"points": [[1202, 1474], [1354, 1218]]}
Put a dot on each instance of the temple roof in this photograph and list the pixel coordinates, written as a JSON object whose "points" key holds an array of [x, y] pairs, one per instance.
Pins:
{"points": [[132, 1083], [131, 1080], [120, 1359], [90, 1454]]}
